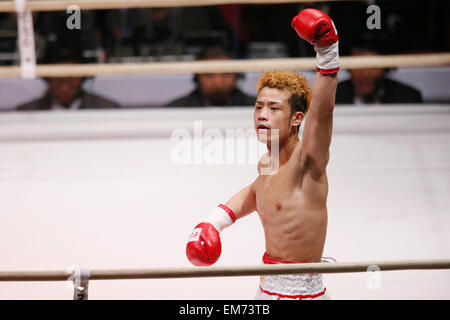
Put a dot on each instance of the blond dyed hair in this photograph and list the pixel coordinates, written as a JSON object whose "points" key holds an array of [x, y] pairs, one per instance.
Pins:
{"points": [[294, 83]]}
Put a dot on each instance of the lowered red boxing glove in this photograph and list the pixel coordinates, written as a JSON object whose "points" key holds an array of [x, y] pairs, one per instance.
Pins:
{"points": [[318, 29], [204, 247]]}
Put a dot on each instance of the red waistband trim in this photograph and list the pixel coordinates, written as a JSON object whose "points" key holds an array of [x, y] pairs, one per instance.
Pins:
{"points": [[269, 260], [299, 296]]}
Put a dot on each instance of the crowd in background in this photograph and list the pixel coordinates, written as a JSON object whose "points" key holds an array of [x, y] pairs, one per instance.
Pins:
{"points": [[243, 32]]}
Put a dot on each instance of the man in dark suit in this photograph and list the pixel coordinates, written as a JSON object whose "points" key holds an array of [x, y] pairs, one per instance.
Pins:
{"points": [[371, 85], [66, 93], [214, 89]]}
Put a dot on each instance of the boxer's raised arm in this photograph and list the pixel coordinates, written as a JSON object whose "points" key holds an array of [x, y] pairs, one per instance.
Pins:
{"points": [[318, 29], [318, 128]]}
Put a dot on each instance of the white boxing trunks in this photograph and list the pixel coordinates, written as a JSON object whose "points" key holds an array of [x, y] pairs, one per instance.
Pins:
{"points": [[291, 286]]}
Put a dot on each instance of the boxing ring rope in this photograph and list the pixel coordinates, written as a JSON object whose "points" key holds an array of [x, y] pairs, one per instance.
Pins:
{"points": [[409, 60], [230, 271], [57, 5], [405, 60]]}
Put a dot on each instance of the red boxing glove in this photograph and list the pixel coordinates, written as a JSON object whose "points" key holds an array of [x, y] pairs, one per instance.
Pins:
{"points": [[315, 27], [204, 247], [318, 29]]}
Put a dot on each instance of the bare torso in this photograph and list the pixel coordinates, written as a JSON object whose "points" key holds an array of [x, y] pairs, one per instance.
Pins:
{"points": [[292, 207]]}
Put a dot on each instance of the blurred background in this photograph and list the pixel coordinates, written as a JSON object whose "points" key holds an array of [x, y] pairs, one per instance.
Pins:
{"points": [[87, 175], [244, 32]]}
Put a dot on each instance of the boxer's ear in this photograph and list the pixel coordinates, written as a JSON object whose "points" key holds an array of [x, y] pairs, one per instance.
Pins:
{"points": [[297, 118]]}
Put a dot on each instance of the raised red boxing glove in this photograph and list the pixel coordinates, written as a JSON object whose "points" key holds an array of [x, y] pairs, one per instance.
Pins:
{"points": [[315, 27], [204, 246], [318, 29]]}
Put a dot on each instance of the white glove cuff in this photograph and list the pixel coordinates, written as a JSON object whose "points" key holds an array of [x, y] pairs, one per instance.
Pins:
{"points": [[221, 218], [328, 57]]}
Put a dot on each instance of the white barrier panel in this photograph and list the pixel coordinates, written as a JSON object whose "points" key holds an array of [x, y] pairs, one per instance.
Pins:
{"points": [[101, 190]]}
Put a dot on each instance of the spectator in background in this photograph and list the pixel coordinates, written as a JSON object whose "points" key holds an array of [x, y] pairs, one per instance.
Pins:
{"points": [[160, 33], [371, 85], [214, 89], [66, 93]]}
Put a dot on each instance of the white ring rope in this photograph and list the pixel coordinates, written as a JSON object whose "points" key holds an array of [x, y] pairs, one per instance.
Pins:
{"points": [[62, 5], [413, 60], [230, 271]]}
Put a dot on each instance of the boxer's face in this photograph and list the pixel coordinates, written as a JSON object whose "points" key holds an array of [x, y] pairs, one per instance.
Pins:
{"points": [[272, 111]]}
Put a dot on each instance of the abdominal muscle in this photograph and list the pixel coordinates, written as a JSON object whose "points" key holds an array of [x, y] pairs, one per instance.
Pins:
{"points": [[298, 240], [294, 223]]}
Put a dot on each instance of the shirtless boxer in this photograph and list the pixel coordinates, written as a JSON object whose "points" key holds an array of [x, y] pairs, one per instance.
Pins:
{"points": [[291, 203]]}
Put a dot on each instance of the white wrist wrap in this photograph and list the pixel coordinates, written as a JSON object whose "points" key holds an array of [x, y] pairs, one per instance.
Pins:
{"points": [[220, 219], [328, 57]]}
